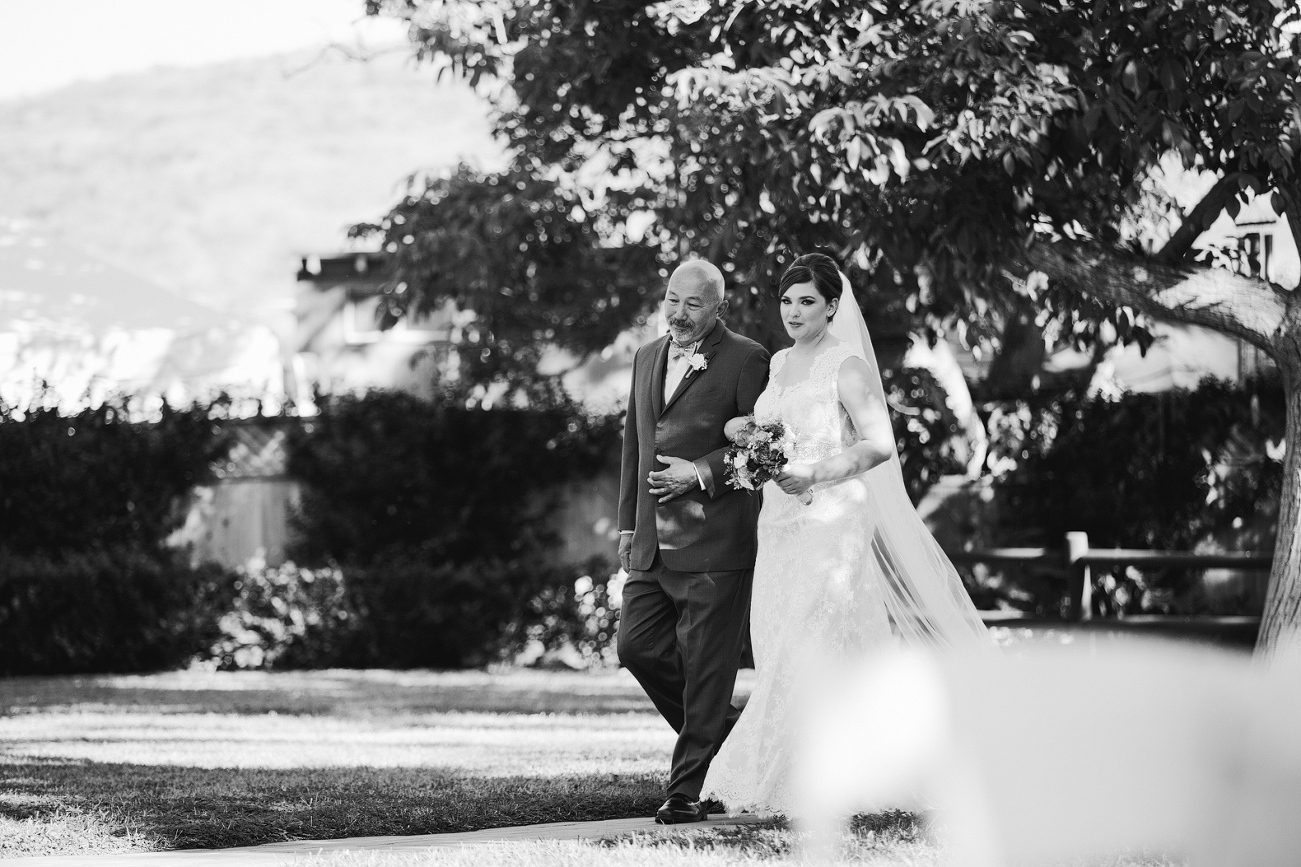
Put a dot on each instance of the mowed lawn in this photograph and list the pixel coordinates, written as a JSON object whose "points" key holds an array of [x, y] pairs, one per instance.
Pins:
{"points": [[209, 760], [185, 760]]}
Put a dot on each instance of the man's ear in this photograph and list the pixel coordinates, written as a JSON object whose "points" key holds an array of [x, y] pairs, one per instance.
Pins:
{"points": [[722, 308]]}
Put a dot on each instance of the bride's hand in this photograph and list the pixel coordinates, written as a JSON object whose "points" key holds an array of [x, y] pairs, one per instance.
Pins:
{"points": [[795, 479]]}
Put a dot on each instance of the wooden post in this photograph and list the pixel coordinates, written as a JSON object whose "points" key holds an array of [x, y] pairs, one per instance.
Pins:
{"points": [[1077, 547]]}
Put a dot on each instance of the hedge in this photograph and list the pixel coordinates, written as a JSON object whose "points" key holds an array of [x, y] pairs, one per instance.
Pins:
{"points": [[121, 609], [436, 516], [98, 478]]}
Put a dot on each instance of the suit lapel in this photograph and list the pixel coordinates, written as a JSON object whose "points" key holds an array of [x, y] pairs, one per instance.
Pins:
{"points": [[708, 347], [658, 372]]}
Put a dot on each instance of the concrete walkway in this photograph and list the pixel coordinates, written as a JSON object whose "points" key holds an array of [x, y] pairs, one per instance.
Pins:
{"points": [[290, 853]]}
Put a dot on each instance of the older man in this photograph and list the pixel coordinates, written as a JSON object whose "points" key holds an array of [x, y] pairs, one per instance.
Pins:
{"points": [[687, 538]]}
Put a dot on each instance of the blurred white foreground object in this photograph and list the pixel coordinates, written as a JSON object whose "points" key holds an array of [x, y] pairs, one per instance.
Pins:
{"points": [[1060, 752]]}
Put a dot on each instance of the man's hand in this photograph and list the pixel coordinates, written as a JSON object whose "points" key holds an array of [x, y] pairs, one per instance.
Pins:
{"points": [[673, 481], [625, 552]]}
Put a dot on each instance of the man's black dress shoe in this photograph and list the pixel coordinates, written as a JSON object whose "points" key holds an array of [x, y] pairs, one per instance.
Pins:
{"points": [[679, 809]]}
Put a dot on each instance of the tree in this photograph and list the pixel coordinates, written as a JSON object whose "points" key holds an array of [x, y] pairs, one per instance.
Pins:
{"points": [[973, 163]]}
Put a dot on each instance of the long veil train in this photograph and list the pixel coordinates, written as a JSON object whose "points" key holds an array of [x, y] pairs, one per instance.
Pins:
{"points": [[928, 606]]}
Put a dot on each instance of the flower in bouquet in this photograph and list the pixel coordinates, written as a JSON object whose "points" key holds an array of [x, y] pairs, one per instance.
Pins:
{"points": [[760, 452]]}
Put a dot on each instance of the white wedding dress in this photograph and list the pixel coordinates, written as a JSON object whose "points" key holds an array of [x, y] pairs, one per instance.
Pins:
{"points": [[808, 586], [853, 573]]}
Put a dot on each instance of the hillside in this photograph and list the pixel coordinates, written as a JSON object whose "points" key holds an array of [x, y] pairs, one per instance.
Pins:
{"points": [[212, 181]]}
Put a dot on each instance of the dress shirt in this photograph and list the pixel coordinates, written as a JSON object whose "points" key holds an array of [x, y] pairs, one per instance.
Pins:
{"points": [[676, 370]]}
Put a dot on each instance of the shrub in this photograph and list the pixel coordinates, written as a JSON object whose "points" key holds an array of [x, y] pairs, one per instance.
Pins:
{"points": [[437, 517], [405, 612], [111, 610], [286, 617], [926, 431], [580, 612], [97, 479], [1179, 470], [388, 473], [1144, 470], [421, 612]]}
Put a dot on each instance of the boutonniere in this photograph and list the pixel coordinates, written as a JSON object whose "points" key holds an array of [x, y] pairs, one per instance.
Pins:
{"points": [[697, 361]]}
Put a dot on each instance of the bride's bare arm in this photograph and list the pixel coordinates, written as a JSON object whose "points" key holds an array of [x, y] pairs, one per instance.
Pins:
{"points": [[871, 421]]}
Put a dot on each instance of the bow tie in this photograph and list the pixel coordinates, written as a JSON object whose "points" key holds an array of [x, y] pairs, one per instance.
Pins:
{"points": [[676, 352]]}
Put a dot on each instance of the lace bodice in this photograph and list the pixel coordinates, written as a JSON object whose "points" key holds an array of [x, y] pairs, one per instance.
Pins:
{"points": [[810, 408]]}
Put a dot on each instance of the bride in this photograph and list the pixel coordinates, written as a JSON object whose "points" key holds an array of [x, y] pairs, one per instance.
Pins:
{"points": [[851, 571]]}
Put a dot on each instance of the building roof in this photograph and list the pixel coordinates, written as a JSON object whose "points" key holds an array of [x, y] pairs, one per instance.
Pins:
{"points": [[365, 268]]}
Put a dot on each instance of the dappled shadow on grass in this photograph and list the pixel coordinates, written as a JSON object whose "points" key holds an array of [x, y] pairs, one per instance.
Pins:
{"points": [[163, 807]]}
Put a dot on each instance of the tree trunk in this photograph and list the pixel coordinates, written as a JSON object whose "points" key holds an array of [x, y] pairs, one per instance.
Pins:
{"points": [[1281, 624]]}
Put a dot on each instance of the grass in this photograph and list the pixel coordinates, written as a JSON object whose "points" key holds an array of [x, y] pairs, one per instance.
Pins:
{"points": [[211, 760], [99, 765], [894, 839]]}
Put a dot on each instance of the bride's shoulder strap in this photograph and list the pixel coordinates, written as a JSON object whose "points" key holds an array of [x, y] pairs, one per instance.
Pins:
{"points": [[776, 362], [828, 363]]}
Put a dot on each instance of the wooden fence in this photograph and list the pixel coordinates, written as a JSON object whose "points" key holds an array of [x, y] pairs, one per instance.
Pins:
{"points": [[1077, 560]]}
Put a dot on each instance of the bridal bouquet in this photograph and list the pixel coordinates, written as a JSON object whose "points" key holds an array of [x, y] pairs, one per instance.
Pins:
{"points": [[760, 452]]}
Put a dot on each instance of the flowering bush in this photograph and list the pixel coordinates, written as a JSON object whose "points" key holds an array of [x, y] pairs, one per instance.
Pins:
{"points": [[285, 617], [580, 614]]}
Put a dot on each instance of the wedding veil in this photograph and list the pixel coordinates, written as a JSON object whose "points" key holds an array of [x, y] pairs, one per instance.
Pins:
{"points": [[928, 606]]}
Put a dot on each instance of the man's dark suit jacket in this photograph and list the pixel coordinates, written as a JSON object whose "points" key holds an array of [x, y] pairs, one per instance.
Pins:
{"points": [[702, 530]]}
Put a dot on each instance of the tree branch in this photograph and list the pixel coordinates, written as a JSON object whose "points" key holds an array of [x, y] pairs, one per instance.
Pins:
{"points": [[1199, 220], [1214, 298]]}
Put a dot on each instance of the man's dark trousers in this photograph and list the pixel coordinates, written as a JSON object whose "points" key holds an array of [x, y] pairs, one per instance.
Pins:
{"points": [[682, 638]]}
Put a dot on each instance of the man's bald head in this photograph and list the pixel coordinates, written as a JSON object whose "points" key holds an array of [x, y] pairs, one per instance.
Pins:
{"points": [[693, 301], [702, 273]]}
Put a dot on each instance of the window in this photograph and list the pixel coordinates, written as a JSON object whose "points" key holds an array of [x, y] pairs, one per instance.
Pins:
{"points": [[1256, 254]]}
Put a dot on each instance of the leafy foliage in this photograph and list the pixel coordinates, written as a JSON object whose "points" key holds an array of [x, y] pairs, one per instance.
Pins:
{"points": [[436, 517], [521, 253], [924, 429], [926, 143], [111, 609], [1162, 471], [1173, 471], [582, 614], [389, 474], [96, 479], [430, 613], [285, 617]]}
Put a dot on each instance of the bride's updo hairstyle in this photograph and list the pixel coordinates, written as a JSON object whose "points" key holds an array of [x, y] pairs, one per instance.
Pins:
{"points": [[816, 268]]}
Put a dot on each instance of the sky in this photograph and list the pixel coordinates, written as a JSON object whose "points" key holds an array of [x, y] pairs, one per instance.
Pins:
{"points": [[48, 44]]}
